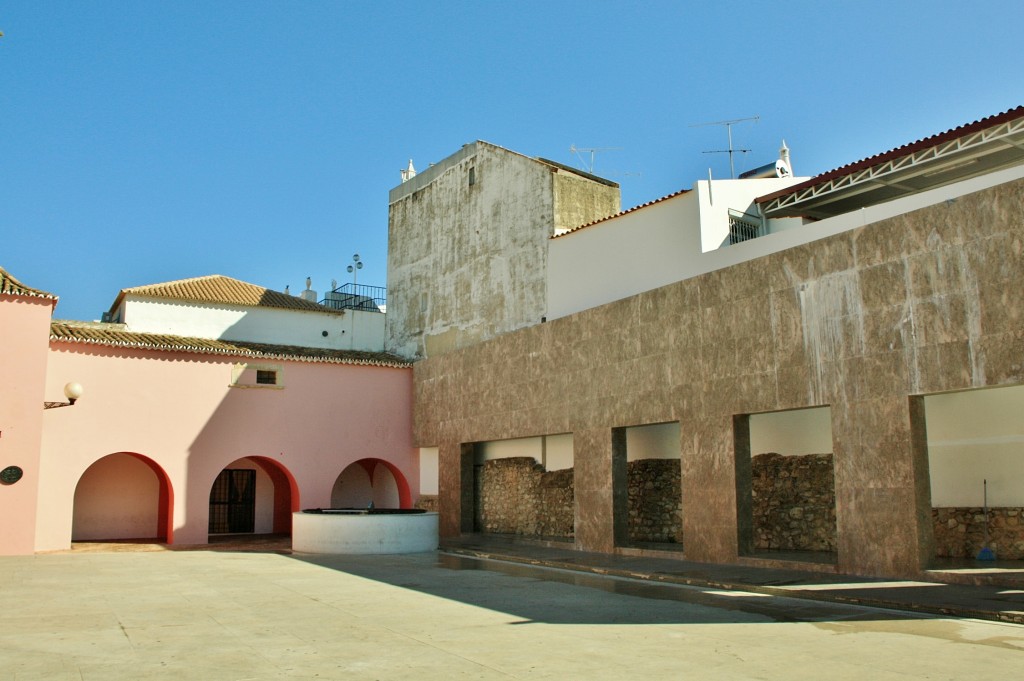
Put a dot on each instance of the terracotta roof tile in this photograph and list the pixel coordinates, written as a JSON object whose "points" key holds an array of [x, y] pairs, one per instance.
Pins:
{"points": [[216, 288], [13, 287], [628, 210], [115, 335], [898, 152]]}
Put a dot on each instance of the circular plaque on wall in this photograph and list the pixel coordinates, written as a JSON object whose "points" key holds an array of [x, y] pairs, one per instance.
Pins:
{"points": [[11, 475]]}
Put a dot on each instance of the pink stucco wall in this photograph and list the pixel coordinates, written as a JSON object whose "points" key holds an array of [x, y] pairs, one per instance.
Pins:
{"points": [[25, 328], [179, 411]]}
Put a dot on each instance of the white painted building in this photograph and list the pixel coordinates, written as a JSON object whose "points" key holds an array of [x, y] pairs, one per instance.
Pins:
{"points": [[223, 308], [686, 234]]}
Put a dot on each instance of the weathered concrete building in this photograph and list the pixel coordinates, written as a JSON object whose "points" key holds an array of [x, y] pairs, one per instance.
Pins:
{"points": [[865, 321], [467, 245]]}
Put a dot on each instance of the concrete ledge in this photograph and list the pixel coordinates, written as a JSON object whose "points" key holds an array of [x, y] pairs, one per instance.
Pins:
{"points": [[364, 534]]}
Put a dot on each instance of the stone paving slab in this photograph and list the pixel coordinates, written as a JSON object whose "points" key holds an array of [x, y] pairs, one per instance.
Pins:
{"points": [[269, 615]]}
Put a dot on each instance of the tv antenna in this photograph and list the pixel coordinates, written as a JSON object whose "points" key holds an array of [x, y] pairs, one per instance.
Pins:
{"points": [[573, 149], [728, 126]]}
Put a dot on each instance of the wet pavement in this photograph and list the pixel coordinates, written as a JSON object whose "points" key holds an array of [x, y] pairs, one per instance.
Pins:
{"points": [[992, 591]]}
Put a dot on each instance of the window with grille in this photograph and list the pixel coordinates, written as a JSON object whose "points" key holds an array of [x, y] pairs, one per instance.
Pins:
{"points": [[743, 227]]}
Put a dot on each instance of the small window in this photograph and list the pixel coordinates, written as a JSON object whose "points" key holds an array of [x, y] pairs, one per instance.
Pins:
{"points": [[472, 175], [245, 375]]}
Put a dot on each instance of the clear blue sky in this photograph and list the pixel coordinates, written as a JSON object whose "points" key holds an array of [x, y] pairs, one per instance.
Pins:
{"points": [[150, 141]]}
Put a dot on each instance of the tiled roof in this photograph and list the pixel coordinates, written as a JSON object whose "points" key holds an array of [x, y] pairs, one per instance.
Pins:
{"points": [[628, 210], [898, 152], [13, 287], [216, 288], [115, 335]]}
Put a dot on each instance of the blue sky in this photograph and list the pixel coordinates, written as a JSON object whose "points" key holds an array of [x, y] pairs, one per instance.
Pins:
{"points": [[150, 141]]}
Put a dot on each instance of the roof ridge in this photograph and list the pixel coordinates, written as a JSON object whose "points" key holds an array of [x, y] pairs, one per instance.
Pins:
{"points": [[186, 279], [114, 335], [222, 289]]}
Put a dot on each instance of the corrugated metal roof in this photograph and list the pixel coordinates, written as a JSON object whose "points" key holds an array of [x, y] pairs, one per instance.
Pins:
{"points": [[216, 288], [898, 152], [115, 335], [13, 287]]}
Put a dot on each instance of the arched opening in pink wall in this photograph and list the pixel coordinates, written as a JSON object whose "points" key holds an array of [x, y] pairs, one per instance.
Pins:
{"points": [[123, 496], [371, 481], [253, 495]]}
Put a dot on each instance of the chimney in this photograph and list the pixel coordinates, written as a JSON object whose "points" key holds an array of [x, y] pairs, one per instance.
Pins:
{"points": [[784, 156], [408, 173], [309, 294]]}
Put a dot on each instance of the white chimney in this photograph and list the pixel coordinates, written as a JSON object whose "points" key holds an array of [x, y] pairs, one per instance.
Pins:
{"points": [[784, 156], [408, 173], [309, 294]]}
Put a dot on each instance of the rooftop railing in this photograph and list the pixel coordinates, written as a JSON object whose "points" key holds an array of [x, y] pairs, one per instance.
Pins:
{"points": [[356, 297]]}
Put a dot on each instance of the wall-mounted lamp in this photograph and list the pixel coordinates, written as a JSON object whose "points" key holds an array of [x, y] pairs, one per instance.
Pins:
{"points": [[72, 391]]}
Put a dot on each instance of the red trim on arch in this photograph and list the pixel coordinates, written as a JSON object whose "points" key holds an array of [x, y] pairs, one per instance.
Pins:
{"points": [[286, 492], [165, 518]]}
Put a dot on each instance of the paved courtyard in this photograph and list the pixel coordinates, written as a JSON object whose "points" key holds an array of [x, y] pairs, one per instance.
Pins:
{"points": [[263, 615]]}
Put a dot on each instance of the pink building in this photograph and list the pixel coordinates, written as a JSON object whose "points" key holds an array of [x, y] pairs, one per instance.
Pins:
{"points": [[179, 437]]}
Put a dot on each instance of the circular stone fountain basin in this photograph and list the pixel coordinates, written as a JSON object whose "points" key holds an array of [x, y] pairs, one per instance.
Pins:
{"points": [[364, 531]]}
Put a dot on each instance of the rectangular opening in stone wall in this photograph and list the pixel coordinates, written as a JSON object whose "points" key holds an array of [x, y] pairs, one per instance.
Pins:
{"points": [[786, 489], [976, 450], [653, 496], [429, 459], [525, 487]]}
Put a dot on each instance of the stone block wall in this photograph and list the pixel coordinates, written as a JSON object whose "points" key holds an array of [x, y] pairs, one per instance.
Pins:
{"points": [[427, 502], [655, 509], [555, 511], [794, 502], [960, 532], [517, 496]]}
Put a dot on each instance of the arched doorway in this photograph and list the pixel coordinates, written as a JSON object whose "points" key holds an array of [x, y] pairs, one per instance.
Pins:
{"points": [[123, 496], [253, 495], [371, 481]]}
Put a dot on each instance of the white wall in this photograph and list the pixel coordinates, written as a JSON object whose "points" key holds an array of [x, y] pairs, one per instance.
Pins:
{"points": [[352, 330], [717, 197], [657, 441], [554, 452], [792, 433], [428, 470], [661, 243], [974, 436]]}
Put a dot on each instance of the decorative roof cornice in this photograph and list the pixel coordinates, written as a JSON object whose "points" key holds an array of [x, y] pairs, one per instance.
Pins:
{"points": [[12, 287], [115, 335]]}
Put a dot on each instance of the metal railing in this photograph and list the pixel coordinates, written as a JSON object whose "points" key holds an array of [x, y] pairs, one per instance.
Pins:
{"points": [[356, 297], [744, 226]]}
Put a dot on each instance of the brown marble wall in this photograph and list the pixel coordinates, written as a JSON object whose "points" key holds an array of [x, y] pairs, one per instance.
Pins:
{"points": [[863, 321]]}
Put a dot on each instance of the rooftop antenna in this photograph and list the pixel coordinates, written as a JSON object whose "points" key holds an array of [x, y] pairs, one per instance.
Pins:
{"points": [[573, 149], [728, 126]]}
